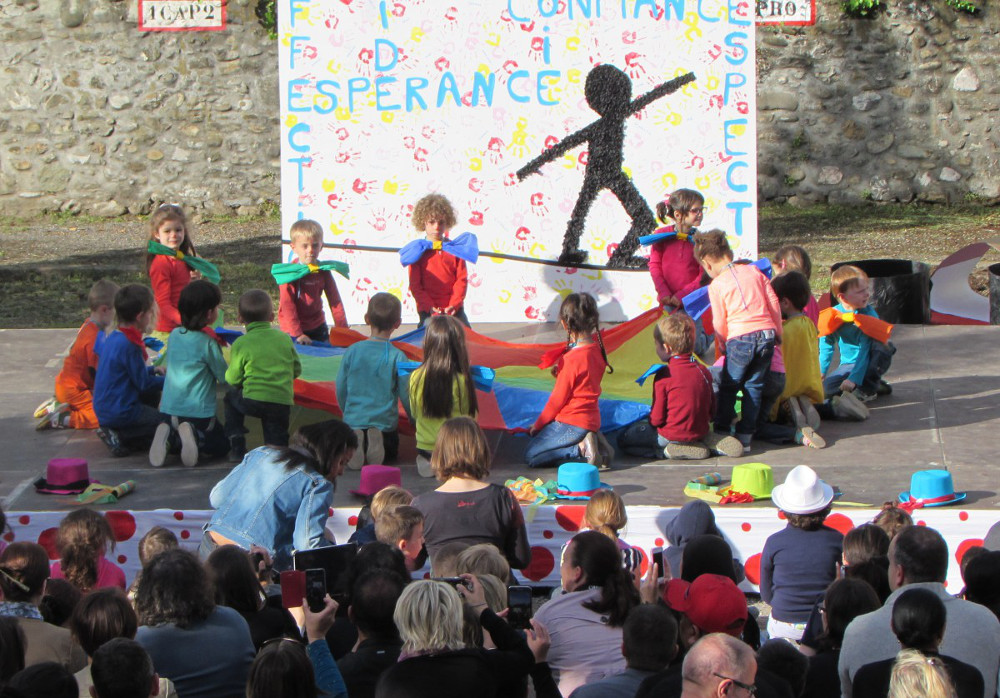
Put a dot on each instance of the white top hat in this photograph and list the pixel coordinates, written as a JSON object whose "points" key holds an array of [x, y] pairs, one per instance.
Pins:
{"points": [[802, 492]]}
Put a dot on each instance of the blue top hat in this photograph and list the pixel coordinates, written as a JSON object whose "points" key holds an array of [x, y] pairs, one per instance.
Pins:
{"points": [[931, 488], [578, 481]]}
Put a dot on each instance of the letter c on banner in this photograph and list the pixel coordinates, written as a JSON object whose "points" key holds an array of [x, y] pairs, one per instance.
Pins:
{"points": [[295, 131]]}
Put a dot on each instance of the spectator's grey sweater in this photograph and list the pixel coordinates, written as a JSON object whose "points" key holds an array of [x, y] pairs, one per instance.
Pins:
{"points": [[971, 635]]}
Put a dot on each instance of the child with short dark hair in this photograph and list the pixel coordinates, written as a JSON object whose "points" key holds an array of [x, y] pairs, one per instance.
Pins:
{"points": [[368, 387], [263, 365], [747, 322], [799, 342], [439, 279], [863, 340], [795, 258], [195, 365], [73, 405], [124, 384], [300, 306], [402, 527]]}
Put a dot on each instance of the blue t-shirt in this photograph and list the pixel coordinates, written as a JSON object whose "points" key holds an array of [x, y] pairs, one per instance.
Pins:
{"points": [[855, 346], [368, 385]]}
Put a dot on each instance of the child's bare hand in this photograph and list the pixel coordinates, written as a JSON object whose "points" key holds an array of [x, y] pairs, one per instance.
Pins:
{"points": [[673, 301], [303, 339], [848, 385]]}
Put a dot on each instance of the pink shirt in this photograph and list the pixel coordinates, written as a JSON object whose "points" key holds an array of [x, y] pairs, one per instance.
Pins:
{"points": [[674, 269], [811, 310], [108, 574], [743, 302]]}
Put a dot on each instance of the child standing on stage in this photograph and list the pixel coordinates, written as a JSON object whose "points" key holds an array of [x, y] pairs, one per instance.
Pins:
{"points": [[747, 321], [263, 365], [568, 429], [368, 385], [672, 265], [194, 366], [300, 305], [73, 405], [442, 387], [124, 384], [795, 258], [865, 349], [168, 274], [439, 279]]}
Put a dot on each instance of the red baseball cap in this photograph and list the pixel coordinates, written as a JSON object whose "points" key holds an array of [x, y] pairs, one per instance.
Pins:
{"points": [[712, 602]]}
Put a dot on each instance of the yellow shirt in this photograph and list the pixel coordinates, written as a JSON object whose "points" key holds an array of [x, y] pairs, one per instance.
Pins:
{"points": [[800, 352], [428, 427]]}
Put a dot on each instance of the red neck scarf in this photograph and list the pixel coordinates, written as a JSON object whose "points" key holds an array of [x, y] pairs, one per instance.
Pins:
{"points": [[133, 335]]}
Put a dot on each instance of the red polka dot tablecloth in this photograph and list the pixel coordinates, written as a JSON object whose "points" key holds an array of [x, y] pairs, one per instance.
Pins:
{"points": [[549, 527]]}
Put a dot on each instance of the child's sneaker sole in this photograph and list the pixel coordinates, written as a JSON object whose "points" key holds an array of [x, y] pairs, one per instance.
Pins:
{"points": [[358, 459], [189, 444], [589, 449], [846, 406], [686, 451], [375, 450], [112, 441], [158, 449], [606, 452], [798, 416], [722, 445], [812, 416], [424, 468], [811, 439]]}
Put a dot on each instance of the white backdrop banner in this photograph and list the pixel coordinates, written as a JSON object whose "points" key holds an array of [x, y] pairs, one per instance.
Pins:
{"points": [[553, 126], [549, 527]]}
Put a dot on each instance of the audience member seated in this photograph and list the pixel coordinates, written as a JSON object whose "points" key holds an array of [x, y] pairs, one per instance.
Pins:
{"points": [[585, 623], [918, 558], [435, 662], [373, 601], [481, 559], [156, 540], [784, 661], [206, 650], [708, 554], [892, 519], [104, 615], [236, 586], [649, 642], [695, 519], [24, 567], [444, 562], [58, 603], [121, 668], [982, 581], [385, 499], [917, 676], [718, 666], [466, 507], [83, 540], [286, 669], [43, 680], [11, 648], [845, 600], [403, 527], [918, 621]]}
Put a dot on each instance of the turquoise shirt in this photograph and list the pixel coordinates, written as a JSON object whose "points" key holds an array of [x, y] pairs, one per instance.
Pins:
{"points": [[265, 364], [854, 345], [368, 385], [194, 365]]}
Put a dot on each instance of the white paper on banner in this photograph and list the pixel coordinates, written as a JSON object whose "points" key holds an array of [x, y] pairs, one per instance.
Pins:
{"points": [[746, 529], [382, 103]]}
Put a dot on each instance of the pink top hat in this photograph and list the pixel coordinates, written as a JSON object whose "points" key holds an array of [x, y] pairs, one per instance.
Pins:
{"points": [[64, 476], [377, 477]]}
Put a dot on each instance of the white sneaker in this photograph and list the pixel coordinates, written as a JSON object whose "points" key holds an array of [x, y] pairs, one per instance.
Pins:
{"points": [[846, 406], [358, 459], [375, 451], [424, 466], [189, 444], [158, 449]]}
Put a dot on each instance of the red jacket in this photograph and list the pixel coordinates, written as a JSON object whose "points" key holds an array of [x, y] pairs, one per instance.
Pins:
{"points": [[168, 277], [300, 304], [683, 400], [438, 280], [674, 269], [577, 390]]}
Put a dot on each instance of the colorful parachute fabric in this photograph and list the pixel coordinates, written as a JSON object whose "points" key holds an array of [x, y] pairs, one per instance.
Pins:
{"points": [[520, 389]]}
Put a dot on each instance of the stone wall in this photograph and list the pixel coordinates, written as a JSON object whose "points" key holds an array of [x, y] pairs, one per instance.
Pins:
{"points": [[98, 117]]}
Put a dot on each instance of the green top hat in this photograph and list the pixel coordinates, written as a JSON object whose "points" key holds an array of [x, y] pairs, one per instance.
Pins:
{"points": [[755, 478]]}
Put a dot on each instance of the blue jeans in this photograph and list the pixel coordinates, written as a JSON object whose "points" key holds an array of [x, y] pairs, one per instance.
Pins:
{"points": [[640, 439], [748, 361], [879, 360], [769, 431], [138, 435], [555, 444]]}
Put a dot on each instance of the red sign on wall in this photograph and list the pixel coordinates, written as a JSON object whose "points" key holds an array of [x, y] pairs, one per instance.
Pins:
{"points": [[182, 15]]}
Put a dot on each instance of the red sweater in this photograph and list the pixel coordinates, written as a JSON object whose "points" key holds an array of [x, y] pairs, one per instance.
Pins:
{"points": [[168, 276], [438, 280], [577, 390], [683, 400], [300, 304], [674, 269]]}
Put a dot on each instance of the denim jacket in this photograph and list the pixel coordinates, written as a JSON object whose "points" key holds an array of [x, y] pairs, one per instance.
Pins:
{"points": [[262, 502]]}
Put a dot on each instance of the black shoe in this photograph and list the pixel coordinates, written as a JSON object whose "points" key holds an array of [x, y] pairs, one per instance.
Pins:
{"points": [[237, 449], [883, 388], [112, 441]]}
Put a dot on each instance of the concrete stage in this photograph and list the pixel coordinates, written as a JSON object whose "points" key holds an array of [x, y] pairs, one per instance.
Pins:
{"points": [[944, 412]]}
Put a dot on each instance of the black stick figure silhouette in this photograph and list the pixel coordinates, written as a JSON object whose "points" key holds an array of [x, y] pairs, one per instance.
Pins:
{"points": [[608, 92]]}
